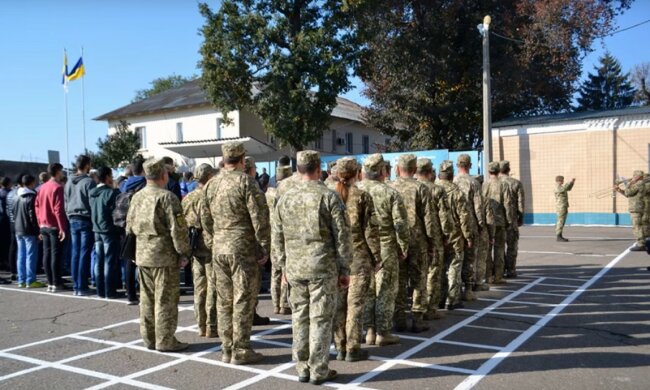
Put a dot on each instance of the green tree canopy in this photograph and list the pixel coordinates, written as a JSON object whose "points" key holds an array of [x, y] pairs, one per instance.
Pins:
{"points": [[161, 84], [608, 88], [285, 61], [118, 148]]}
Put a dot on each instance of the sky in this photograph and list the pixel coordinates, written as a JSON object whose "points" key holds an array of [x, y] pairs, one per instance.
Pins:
{"points": [[127, 44]]}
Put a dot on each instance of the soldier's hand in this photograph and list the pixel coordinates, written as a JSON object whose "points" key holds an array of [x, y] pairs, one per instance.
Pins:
{"points": [[263, 260], [183, 262], [469, 243], [284, 279], [573, 180], [344, 281], [404, 256]]}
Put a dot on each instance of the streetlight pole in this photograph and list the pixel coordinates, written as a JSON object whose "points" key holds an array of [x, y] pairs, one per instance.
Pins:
{"points": [[487, 97]]}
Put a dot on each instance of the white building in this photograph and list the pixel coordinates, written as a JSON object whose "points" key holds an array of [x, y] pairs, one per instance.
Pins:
{"points": [[183, 124]]}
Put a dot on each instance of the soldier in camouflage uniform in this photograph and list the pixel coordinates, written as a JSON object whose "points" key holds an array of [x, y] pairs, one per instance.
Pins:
{"points": [[646, 205], [366, 255], [426, 236], [500, 213], [512, 233], [474, 263], [561, 205], [634, 192], [393, 240], [312, 239], [156, 219], [279, 292], [426, 175], [462, 237], [332, 177], [241, 243], [205, 293]]}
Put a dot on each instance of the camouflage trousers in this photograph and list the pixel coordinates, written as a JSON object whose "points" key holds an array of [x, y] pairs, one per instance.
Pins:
{"points": [[412, 273], [470, 257], [313, 303], [454, 256], [205, 293], [279, 292], [159, 295], [512, 248], [434, 280], [236, 278], [637, 228], [380, 304], [496, 259], [348, 324], [478, 270], [646, 224], [561, 219]]}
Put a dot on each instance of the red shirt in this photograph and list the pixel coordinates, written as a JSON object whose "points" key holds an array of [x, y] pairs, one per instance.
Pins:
{"points": [[50, 209]]}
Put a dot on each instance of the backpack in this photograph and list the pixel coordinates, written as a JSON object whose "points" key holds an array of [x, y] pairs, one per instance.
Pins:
{"points": [[121, 209]]}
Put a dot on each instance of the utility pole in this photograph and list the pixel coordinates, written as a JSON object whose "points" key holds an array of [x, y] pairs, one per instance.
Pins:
{"points": [[484, 29]]}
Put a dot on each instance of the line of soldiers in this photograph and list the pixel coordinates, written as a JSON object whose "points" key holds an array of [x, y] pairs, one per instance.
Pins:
{"points": [[344, 258], [637, 191]]}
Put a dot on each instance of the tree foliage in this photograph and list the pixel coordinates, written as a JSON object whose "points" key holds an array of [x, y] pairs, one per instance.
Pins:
{"points": [[118, 148], [161, 84], [606, 89], [285, 61], [641, 82], [422, 62]]}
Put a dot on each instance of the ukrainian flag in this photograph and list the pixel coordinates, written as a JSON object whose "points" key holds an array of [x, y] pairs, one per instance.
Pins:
{"points": [[64, 71], [78, 71]]}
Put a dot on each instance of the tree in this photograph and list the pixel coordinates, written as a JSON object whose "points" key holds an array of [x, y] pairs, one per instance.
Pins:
{"points": [[421, 62], [161, 84], [608, 88], [285, 61], [641, 82], [118, 148]]}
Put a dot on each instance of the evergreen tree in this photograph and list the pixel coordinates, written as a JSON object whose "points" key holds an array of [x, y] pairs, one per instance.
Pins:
{"points": [[608, 88]]}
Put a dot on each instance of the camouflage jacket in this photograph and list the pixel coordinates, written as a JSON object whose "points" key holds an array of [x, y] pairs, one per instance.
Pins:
{"points": [[287, 183], [517, 191], [459, 211], [311, 236], [156, 218], [501, 211], [424, 222], [364, 230], [562, 195], [441, 206], [330, 182], [194, 206], [390, 213], [471, 188], [635, 195], [240, 216]]}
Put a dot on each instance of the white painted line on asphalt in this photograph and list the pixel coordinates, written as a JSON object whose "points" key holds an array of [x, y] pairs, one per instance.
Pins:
{"points": [[533, 292], [412, 351], [408, 337], [471, 345], [260, 377], [581, 280], [494, 328], [521, 302], [495, 360], [436, 367], [502, 313], [544, 284], [60, 295], [583, 238]]}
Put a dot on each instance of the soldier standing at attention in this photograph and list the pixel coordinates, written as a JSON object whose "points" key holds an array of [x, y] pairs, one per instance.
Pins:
{"points": [[512, 233], [462, 240], [561, 205], [240, 244], [366, 256], [500, 213], [475, 259], [155, 217], [634, 192], [312, 239], [195, 209], [393, 241], [279, 292]]}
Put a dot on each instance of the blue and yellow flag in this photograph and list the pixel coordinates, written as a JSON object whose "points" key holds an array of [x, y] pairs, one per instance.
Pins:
{"points": [[64, 71], [78, 71]]}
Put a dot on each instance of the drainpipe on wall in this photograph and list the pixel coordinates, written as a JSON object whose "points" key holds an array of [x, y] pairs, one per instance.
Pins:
{"points": [[615, 126]]}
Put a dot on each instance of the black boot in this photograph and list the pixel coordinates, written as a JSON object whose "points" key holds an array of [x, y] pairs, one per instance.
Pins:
{"points": [[559, 238], [258, 320]]}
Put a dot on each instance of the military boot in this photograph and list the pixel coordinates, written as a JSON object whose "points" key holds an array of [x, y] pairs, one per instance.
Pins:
{"points": [[637, 248], [386, 338], [559, 238], [201, 331], [400, 324], [371, 336], [468, 295], [356, 355], [175, 347], [247, 356], [433, 315], [341, 355], [419, 325], [211, 333], [226, 356], [285, 311], [481, 287], [259, 320]]}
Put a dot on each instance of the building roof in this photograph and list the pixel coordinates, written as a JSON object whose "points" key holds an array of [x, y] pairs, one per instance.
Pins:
{"points": [[571, 116], [212, 147], [191, 95]]}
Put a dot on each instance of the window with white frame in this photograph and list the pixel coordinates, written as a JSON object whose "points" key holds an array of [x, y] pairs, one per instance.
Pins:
{"points": [[349, 143], [366, 144], [179, 132], [334, 140], [142, 136]]}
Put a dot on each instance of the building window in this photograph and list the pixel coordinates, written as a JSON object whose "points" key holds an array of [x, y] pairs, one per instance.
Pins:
{"points": [[387, 142], [334, 140], [179, 132], [318, 144], [349, 143], [366, 144], [219, 127], [142, 136]]}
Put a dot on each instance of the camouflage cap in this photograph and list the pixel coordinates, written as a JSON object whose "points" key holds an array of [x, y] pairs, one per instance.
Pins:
{"points": [[249, 162], [374, 163], [493, 167], [154, 167], [203, 172], [559, 178], [407, 161], [347, 166], [233, 149], [307, 157], [637, 173], [425, 165], [282, 172], [447, 167], [504, 165], [464, 159], [331, 164]]}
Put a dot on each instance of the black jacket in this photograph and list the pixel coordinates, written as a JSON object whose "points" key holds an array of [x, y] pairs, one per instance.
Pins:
{"points": [[102, 204], [25, 213]]}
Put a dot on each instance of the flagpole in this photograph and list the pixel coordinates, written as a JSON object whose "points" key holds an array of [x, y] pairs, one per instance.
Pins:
{"points": [[83, 105], [67, 141]]}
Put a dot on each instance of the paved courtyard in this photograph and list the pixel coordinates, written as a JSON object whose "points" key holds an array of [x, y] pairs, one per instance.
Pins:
{"points": [[577, 317]]}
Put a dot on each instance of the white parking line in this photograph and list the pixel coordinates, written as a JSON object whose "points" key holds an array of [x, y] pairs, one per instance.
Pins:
{"points": [[503, 313], [521, 302], [494, 328], [495, 360], [533, 292], [471, 345], [63, 295], [544, 284]]}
